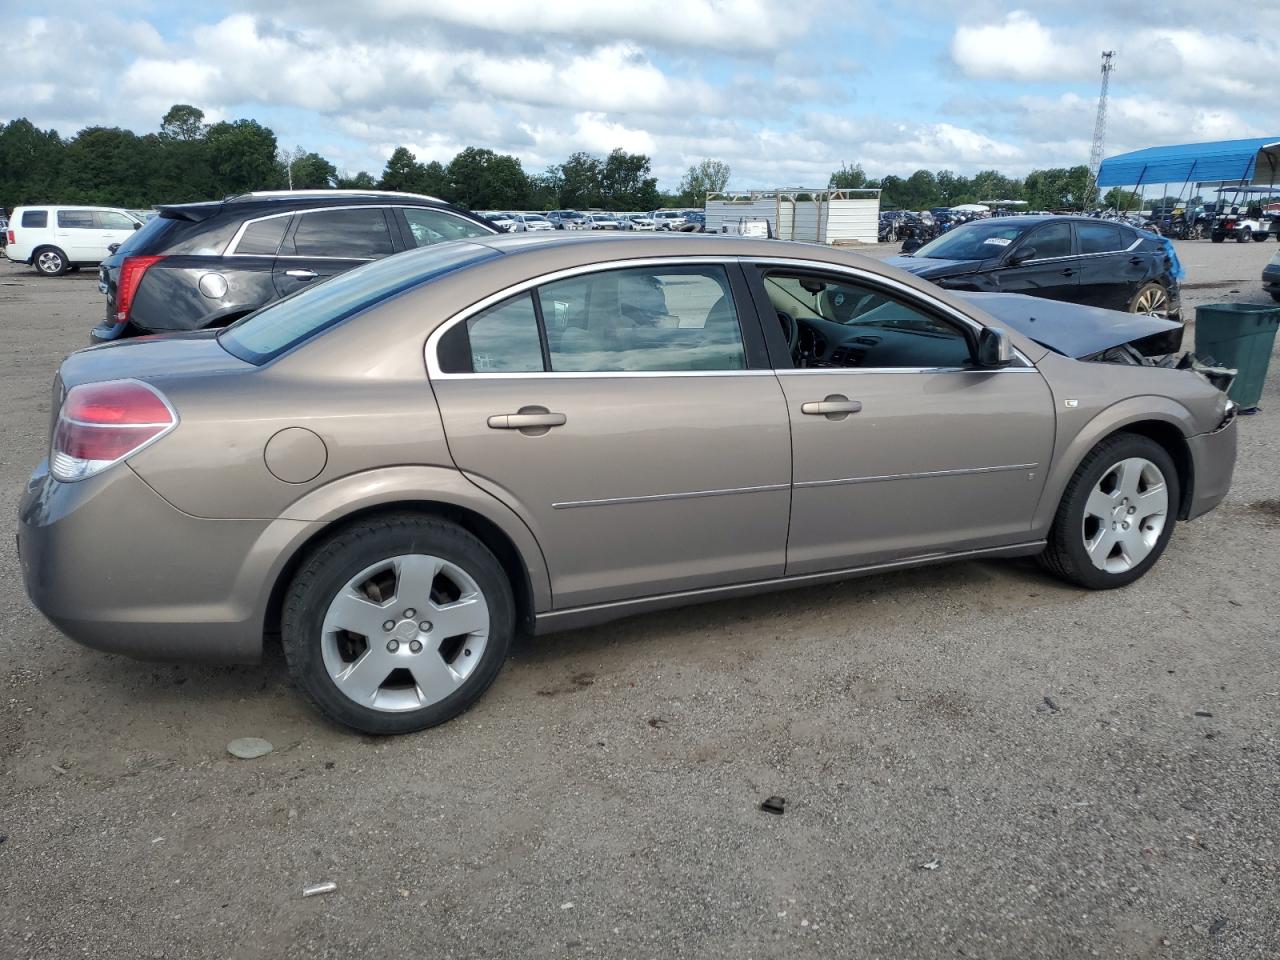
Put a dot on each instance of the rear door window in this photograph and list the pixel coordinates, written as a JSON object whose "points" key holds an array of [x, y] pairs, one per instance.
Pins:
{"points": [[76, 220], [262, 238], [112, 220], [35, 219], [359, 233], [1099, 237]]}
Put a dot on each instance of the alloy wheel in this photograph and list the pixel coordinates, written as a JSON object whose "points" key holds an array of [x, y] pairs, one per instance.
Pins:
{"points": [[1125, 515], [1153, 302], [405, 633], [49, 262]]}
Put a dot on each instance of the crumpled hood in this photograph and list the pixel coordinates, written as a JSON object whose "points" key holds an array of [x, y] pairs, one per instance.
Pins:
{"points": [[929, 268], [1074, 330]]}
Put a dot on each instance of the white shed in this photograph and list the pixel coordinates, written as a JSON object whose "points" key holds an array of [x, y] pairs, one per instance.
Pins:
{"points": [[818, 216]]}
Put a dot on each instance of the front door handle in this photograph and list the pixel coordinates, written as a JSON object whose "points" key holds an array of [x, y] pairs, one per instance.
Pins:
{"points": [[835, 407], [1068, 272], [302, 274]]}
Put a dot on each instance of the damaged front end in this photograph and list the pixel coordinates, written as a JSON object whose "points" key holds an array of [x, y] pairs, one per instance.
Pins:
{"points": [[1093, 334], [1131, 355]]}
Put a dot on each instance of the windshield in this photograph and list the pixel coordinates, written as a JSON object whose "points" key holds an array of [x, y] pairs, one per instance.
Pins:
{"points": [[974, 241], [535, 218], [282, 325]]}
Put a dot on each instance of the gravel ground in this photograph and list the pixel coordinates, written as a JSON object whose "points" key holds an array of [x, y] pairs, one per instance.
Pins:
{"points": [[977, 762]]}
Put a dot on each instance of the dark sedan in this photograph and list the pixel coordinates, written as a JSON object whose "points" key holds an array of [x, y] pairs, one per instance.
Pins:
{"points": [[1077, 259]]}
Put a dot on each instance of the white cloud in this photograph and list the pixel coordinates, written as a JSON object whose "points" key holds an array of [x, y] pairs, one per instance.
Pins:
{"points": [[1018, 48]]}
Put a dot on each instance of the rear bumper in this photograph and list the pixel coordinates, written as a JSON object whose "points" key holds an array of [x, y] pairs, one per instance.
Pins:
{"points": [[114, 566], [1213, 461]]}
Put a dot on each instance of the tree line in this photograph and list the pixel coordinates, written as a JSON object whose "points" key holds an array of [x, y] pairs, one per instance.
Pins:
{"points": [[189, 159]]}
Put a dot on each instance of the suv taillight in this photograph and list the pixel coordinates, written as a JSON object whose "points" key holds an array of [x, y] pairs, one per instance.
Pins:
{"points": [[131, 272], [102, 423], [11, 239]]}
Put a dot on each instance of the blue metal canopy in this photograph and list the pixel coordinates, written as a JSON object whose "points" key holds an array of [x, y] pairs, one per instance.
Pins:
{"points": [[1256, 160]]}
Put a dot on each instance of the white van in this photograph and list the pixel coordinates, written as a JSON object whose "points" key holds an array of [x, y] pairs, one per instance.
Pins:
{"points": [[57, 239]]}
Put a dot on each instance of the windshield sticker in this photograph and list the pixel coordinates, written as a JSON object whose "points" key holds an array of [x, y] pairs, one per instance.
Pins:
{"points": [[998, 241]]}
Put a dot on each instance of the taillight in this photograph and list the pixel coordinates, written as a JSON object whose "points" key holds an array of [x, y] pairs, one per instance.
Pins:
{"points": [[102, 423], [131, 272], [11, 239]]}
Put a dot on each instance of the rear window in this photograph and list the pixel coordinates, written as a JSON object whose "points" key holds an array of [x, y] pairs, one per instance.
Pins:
{"points": [[1099, 237], [172, 236], [35, 218], [282, 325]]}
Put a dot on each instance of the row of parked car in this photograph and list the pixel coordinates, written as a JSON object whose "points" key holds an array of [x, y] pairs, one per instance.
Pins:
{"points": [[688, 221], [200, 265]]}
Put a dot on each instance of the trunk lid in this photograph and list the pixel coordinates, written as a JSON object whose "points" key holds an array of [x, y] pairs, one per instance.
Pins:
{"points": [[153, 359]]}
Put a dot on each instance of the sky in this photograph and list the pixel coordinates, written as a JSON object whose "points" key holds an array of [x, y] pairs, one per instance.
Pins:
{"points": [[784, 91]]}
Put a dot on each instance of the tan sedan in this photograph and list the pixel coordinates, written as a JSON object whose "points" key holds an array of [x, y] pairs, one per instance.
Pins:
{"points": [[401, 468]]}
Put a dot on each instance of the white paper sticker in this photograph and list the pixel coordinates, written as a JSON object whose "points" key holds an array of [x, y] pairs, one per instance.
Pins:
{"points": [[998, 241]]}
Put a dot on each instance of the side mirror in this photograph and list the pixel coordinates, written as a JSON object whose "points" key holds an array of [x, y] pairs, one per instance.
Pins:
{"points": [[137, 225], [112, 247], [1022, 256], [994, 349]]}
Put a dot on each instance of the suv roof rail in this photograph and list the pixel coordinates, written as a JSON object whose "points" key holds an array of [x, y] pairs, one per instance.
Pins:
{"points": [[285, 194]]}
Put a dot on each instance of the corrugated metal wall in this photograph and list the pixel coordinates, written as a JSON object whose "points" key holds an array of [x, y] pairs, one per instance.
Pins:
{"points": [[836, 221]]}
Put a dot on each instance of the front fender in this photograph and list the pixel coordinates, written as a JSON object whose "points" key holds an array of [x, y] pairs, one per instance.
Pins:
{"points": [[1080, 430], [408, 485]]}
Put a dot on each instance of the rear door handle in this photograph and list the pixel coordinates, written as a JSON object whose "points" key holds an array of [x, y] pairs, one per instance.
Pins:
{"points": [[1069, 272], [302, 274], [523, 421], [834, 407]]}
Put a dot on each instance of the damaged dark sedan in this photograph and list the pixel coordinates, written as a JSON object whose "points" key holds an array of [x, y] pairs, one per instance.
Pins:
{"points": [[1079, 260]]}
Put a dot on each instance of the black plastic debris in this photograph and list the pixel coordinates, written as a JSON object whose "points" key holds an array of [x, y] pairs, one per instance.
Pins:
{"points": [[1203, 713], [776, 805]]}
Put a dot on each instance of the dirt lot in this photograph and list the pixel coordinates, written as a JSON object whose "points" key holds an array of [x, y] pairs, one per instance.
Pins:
{"points": [[1082, 774]]}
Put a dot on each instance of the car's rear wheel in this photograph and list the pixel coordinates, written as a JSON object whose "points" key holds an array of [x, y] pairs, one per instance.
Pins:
{"points": [[1116, 515], [397, 624], [1151, 299], [51, 262], [1260, 237]]}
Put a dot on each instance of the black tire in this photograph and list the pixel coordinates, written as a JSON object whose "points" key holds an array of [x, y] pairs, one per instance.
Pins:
{"points": [[1244, 235], [1065, 556], [329, 567], [1218, 237], [1260, 237], [50, 262]]}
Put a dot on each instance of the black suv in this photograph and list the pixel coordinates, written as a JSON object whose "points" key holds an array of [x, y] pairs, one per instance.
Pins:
{"points": [[202, 265]]}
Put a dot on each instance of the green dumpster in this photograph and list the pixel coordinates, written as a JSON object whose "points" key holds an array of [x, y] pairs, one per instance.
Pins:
{"points": [[1239, 335]]}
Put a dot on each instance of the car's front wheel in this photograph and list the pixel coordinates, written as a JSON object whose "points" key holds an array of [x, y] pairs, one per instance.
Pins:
{"points": [[398, 623], [51, 262], [1244, 235], [1117, 514]]}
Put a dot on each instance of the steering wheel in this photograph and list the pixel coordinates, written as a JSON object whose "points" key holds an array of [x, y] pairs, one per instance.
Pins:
{"points": [[790, 329]]}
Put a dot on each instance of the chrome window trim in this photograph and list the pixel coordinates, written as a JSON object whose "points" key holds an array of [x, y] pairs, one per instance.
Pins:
{"points": [[909, 293], [433, 341], [235, 239], [524, 286]]}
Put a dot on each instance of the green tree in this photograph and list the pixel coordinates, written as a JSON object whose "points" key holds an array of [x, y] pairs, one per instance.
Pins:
{"points": [[30, 163], [848, 178], [403, 172], [183, 122], [1118, 199], [481, 179], [242, 156], [580, 178], [359, 181], [303, 170], [1059, 188], [625, 183], [706, 176]]}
